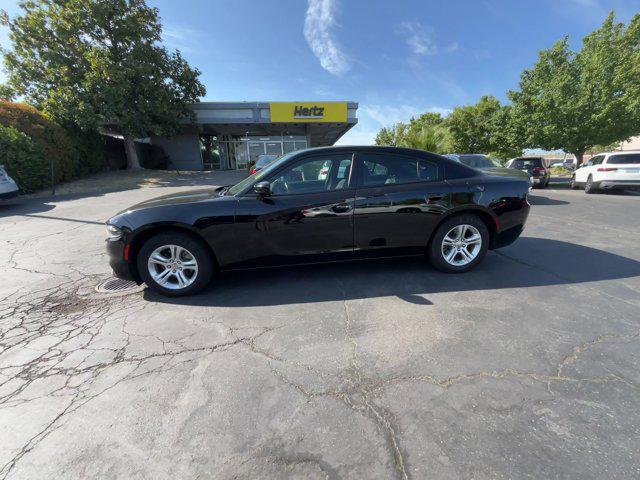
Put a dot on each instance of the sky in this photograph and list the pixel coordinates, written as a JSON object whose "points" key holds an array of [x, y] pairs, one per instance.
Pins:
{"points": [[396, 58]]}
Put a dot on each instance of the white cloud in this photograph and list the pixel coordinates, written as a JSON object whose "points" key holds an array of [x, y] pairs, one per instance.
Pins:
{"points": [[318, 23], [185, 39], [420, 39], [358, 135]]}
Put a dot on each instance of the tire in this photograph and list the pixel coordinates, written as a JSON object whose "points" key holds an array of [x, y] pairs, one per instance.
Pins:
{"points": [[437, 248], [590, 187], [574, 184], [180, 251]]}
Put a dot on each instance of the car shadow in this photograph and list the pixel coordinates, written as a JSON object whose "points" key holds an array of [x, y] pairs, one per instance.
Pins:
{"points": [[530, 262], [538, 200]]}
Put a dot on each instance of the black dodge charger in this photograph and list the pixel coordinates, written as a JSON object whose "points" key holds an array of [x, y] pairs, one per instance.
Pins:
{"points": [[317, 205]]}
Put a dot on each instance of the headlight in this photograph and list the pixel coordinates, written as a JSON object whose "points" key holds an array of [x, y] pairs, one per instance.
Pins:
{"points": [[114, 232]]}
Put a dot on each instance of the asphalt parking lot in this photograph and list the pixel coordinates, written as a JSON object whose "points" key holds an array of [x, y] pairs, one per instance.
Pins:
{"points": [[528, 367]]}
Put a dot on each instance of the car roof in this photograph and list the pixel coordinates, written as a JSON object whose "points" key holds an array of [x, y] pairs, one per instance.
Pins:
{"points": [[621, 152], [372, 149]]}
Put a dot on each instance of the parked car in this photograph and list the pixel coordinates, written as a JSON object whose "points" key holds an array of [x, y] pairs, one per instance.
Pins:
{"points": [[609, 171], [385, 202], [488, 164], [8, 187], [537, 167], [569, 163], [261, 162]]}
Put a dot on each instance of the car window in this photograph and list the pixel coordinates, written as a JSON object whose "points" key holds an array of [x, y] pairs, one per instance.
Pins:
{"points": [[624, 159], [476, 161], [264, 160], [597, 160], [384, 169], [313, 175], [522, 163]]}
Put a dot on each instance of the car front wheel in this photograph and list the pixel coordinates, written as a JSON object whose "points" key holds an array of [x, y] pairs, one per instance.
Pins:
{"points": [[459, 244], [175, 264]]}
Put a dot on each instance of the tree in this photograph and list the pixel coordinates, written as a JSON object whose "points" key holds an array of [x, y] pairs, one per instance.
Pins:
{"points": [[483, 128], [425, 133], [574, 101], [432, 138], [100, 63]]}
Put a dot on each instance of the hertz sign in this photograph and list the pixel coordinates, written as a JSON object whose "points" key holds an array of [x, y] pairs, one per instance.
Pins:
{"points": [[317, 112]]}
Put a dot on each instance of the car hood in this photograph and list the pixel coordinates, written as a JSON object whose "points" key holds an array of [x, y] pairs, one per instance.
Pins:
{"points": [[190, 196], [505, 172]]}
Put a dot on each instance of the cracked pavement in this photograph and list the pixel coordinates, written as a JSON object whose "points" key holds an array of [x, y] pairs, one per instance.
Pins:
{"points": [[527, 367]]}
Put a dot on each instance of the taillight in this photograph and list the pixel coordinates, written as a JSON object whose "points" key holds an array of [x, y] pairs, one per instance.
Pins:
{"points": [[607, 169], [253, 170], [538, 170]]}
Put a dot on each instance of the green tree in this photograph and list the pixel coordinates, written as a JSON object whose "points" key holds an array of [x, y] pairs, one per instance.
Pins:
{"points": [[392, 136], [425, 133], [432, 138], [100, 64], [576, 100], [484, 127]]}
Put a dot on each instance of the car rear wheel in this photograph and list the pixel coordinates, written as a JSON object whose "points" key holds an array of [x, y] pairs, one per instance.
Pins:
{"points": [[175, 264], [589, 187], [459, 244]]}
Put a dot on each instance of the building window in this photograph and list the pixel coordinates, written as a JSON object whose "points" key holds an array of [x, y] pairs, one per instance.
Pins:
{"points": [[210, 152]]}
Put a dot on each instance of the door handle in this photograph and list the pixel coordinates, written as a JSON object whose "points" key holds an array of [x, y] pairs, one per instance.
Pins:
{"points": [[341, 207]]}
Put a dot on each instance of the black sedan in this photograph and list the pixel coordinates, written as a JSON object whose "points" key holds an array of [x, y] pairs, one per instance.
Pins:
{"points": [[372, 202]]}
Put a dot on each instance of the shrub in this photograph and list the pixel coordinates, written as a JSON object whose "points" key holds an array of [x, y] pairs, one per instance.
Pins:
{"points": [[23, 159], [74, 152], [48, 136]]}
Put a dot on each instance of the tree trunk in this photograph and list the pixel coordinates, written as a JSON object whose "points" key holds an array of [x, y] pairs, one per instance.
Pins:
{"points": [[579, 157], [132, 154]]}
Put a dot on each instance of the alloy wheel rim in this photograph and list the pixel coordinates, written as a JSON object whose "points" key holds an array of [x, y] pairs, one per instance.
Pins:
{"points": [[173, 267], [461, 245]]}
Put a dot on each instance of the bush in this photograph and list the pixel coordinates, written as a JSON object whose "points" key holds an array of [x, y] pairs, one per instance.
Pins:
{"points": [[75, 153], [24, 160]]}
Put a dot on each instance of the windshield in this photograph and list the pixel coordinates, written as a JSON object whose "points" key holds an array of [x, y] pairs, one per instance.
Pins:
{"points": [[256, 177], [527, 163], [624, 159], [477, 161]]}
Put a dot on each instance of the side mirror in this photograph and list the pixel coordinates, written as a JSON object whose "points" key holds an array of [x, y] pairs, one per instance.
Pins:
{"points": [[262, 188]]}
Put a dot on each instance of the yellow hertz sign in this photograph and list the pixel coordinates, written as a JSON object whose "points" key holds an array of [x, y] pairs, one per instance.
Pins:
{"points": [[317, 112]]}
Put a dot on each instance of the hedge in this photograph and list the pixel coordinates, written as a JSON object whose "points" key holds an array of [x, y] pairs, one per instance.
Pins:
{"points": [[75, 153], [23, 159]]}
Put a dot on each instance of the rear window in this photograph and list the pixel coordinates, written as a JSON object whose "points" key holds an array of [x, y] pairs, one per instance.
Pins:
{"points": [[454, 170], [526, 163], [476, 161], [624, 159]]}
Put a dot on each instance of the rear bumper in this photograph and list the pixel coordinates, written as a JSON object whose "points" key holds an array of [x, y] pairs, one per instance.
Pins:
{"points": [[619, 184], [117, 262]]}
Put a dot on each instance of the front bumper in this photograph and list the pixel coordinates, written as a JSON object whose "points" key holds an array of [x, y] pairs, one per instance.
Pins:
{"points": [[117, 262]]}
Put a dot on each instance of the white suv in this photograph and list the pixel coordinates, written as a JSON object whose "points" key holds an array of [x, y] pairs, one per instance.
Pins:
{"points": [[608, 171], [8, 187]]}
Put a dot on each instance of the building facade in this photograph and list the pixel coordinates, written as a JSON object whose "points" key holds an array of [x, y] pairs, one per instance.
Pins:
{"points": [[231, 135]]}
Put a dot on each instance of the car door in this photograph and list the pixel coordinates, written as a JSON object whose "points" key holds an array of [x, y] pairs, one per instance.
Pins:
{"points": [[583, 173], [308, 216], [399, 201]]}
